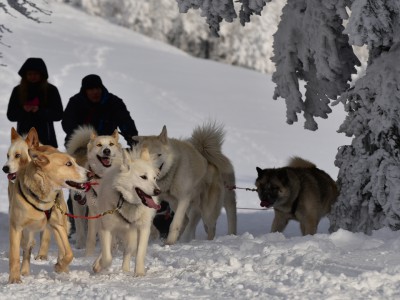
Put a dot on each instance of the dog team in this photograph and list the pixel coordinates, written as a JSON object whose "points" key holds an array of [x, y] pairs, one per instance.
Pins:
{"points": [[115, 192], [192, 175]]}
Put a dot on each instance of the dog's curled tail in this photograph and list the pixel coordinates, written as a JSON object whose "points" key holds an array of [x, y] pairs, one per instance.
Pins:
{"points": [[79, 140], [208, 140], [298, 162]]}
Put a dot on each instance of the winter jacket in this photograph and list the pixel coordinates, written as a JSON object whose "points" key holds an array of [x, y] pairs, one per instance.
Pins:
{"points": [[50, 110], [105, 116]]}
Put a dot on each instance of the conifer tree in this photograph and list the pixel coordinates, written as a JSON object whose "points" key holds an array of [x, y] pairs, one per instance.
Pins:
{"points": [[313, 45]]}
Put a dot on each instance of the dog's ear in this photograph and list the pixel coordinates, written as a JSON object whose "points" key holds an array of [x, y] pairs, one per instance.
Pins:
{"points": [[145, 154], [259, 171], [14, 135], [38, 158], [32, 139], [126, 161], [115, 135], [164, 135], [93, 135]]}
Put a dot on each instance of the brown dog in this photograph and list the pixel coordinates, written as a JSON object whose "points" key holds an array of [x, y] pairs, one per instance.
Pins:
{"points": [[300, 192], [32, 206]]}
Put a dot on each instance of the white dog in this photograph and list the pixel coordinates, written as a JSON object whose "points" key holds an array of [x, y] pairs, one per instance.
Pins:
{"points": [[192, 179], [96, 153], [128, 190]]}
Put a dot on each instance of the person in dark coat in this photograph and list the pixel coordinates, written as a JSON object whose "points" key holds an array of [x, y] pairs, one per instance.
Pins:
{"points": [[35, 102], [94, 105]]}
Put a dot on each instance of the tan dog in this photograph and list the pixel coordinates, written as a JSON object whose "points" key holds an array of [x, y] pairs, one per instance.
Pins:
{"points": [[299, 192], [17, 158], [32, 206]]}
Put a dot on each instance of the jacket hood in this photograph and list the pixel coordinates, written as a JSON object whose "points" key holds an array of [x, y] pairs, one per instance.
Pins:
{"points": [[34, 64]]}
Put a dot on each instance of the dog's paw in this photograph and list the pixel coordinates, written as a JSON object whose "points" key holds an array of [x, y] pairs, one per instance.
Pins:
{"points": [[169, 242], [25, 271], [60, 268], [41, 257], [96, 268], [140, 274], [14, 279], [172, 237]]}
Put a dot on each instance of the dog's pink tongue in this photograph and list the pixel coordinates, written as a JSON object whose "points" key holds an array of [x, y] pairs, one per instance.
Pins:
{"points": [[265, 204], [106, 161], [11, 176], [150, 203]]}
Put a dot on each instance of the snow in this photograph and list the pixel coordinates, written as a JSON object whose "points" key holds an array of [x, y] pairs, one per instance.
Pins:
{"points": [[162, 85]]}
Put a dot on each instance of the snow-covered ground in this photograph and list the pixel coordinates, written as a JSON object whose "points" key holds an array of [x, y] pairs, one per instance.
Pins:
{"points": [[162, 85]]}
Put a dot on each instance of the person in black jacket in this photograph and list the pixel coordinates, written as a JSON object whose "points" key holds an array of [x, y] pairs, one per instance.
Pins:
{"points": [[94, 105], [35, 102]]}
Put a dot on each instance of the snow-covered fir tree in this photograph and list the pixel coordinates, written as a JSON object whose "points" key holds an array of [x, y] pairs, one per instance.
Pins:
{"points": [[369, 174], [311, 44], [248, 46]]}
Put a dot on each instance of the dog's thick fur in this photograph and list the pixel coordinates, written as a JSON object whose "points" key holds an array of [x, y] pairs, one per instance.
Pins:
{"points": [[32, 206], [192, 179], [17, 158], [96, 153], [128, 186], [299, 192]]}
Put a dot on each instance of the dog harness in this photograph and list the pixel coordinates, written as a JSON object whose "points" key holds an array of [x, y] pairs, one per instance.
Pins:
{"points": [[121, 201], [46, 212]]}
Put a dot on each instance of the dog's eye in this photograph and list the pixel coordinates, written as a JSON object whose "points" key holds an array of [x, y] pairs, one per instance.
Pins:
{"points": [[99, 145], [68, 163], [17, 155], [111, 144], [158, 155], [143, 177]]}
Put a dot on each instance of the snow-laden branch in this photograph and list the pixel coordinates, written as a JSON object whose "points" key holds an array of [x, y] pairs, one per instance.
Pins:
{"points": [[27, 8], [213, 10], [310, 45]]}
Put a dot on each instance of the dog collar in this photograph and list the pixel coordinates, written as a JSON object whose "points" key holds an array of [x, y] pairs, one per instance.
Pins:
{"points": [[121, 201], [95, 175], [46, 212]]}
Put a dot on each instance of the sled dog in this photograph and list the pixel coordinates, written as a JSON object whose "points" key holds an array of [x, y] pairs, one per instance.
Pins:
{"points": [[129, 189], [299, 191], [17, 158], [191, 179], [32, 206], [96, 153]]}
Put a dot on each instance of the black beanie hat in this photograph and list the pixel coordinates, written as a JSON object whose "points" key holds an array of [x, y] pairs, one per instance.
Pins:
{"points": [[34, 64], [91, 81]]}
